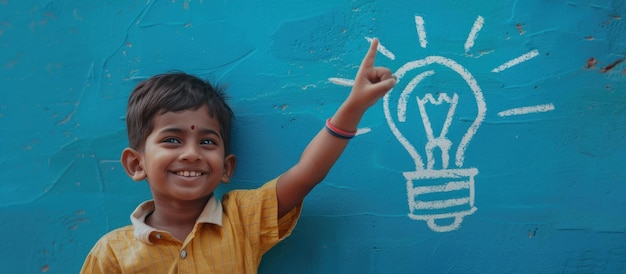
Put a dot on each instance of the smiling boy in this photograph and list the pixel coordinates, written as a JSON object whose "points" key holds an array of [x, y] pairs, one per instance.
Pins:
{"points": [[179, 136]]}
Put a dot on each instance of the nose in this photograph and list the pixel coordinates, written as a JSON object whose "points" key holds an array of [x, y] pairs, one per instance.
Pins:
{"points": [[190, 152]]}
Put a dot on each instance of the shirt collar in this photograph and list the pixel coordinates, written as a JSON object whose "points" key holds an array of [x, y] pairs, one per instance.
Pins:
{"points": [[212, 214]]}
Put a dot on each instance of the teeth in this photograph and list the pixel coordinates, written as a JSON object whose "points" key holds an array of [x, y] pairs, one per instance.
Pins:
{"points": [[187, 173]]}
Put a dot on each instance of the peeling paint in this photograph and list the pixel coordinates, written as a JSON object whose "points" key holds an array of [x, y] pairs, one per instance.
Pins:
{"points": [[591, 62], [611, 66]]}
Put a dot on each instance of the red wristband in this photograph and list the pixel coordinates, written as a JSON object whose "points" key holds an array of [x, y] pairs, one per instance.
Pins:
{"points": [[337, 132]]}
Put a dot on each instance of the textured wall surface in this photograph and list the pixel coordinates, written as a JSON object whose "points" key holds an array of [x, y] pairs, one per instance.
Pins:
{"points": [[501, 149]]}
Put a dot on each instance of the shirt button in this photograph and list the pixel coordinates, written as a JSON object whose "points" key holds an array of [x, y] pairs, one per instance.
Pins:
{"points": [[183, 254]]}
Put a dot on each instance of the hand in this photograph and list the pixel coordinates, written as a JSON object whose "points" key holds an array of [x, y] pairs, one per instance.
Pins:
{"points": [[371, 82]]}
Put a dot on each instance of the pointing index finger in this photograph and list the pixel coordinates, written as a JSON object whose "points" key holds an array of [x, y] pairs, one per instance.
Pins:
{"points": [[368, 60]]}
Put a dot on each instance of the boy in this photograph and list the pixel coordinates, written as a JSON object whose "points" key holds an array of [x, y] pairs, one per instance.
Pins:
{"points": [[179, 134]]}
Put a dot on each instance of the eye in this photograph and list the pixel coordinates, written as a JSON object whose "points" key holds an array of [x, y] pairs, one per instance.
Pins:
{"points": [[171, 140], [208, 142]]}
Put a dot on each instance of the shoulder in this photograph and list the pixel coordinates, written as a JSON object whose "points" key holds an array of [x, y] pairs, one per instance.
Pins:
{"points": [[120, 236], [120, 233], [103, 256], [241, 199]]}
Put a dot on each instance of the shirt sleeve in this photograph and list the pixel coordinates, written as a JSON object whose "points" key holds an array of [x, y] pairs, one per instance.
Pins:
{"points": [[258, 212]]}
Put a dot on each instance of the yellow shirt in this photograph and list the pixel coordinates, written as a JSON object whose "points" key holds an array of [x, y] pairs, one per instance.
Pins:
{"points": [[229, 237]]}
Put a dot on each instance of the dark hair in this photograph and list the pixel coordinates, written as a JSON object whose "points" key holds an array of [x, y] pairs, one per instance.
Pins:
{"points": [[174, 92]]}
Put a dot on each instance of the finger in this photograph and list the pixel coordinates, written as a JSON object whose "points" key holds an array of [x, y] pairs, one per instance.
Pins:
{"points": [[368, 60], [382, 87], [385, 80], [382, 73]]}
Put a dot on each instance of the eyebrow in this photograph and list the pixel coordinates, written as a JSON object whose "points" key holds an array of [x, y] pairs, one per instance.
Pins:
{"points": [[203, 131]]}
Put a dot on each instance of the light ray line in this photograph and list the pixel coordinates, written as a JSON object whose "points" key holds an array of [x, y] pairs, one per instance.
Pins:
{"points": [[527, 110], [478, 25], [513, 62], [341, 81], [382, 49], [362, 131], [421, 31]]}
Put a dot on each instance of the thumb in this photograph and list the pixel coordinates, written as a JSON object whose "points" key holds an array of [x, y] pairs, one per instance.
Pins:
{"points": [[384, 86]]}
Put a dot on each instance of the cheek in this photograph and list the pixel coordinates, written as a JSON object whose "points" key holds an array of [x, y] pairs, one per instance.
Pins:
{"points": [[159, 157], [216, 160]]}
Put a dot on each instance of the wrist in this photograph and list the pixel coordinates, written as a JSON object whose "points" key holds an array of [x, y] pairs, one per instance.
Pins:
{"points": [[347, 118], [339, 132]]}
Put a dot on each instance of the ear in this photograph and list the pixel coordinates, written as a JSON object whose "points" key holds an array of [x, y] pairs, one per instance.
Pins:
{"points": [[133, 164], [229, 167]]}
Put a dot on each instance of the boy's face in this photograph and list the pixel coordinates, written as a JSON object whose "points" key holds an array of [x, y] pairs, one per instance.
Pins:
{"points": [[183, 157]]}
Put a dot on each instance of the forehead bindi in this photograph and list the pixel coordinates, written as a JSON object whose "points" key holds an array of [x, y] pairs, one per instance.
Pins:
{"points": [[197, 120]]}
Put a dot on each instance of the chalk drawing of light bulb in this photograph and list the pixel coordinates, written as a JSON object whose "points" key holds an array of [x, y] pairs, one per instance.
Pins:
{"points": [[436, 194], [440, 190]]}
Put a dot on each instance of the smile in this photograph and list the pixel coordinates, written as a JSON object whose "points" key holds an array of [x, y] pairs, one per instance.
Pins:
{"points": [[187, 173]]}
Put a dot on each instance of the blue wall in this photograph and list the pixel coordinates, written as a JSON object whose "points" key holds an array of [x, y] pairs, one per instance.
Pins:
{"points": [[534, 180]]}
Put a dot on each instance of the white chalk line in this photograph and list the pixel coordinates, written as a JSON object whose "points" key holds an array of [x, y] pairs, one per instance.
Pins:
{"points": [[478, 25], [430, 219], [448, 187], [362, 131], [440, 204], [410, 87], [341, 81], [527, 110], [421, 31], [441, 141], [516, 61]]}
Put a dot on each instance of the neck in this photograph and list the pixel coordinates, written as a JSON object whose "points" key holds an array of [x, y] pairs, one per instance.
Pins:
{"points": [[177, 218]]}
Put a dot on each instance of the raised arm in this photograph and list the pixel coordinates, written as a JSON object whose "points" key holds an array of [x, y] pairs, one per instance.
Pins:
{"points": [[371, 83]]}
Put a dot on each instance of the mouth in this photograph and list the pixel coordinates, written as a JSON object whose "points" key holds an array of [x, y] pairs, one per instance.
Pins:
{"points": [[189, 173]]}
